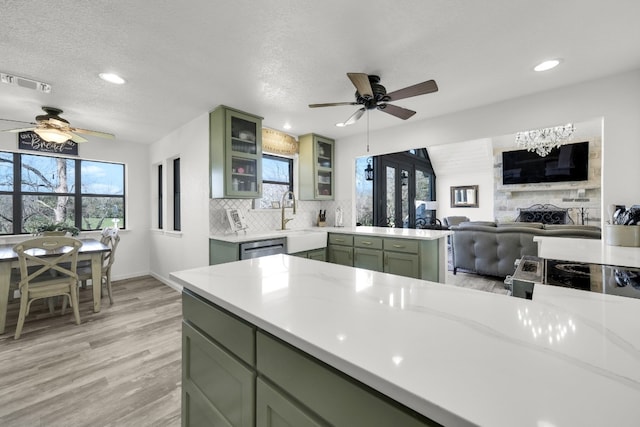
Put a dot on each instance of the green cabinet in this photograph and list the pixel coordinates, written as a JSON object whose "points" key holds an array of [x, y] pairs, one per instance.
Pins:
{"points": [[316, 174], [405, 257], [402, 264], [273, 409], [340, 249], [235, 154], [315, 254], [234, 374], [367, 253]]}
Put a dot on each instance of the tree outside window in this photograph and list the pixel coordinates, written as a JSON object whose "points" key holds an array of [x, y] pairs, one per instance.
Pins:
{"points": [[86, 194]]}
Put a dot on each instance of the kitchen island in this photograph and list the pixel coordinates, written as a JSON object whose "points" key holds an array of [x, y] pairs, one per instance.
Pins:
{"points": [[430, 352]]}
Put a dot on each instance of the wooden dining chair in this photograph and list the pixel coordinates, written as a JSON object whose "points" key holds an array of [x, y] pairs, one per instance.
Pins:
{"points": [[111, 238], [47, 269]]}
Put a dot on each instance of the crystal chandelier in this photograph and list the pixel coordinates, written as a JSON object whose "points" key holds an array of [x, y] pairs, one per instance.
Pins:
{"points": [[542, 141]]}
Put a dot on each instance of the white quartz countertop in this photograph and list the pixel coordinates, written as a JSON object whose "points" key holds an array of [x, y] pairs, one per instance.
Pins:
{"points": [[594, 251], [402, 233], [459, 356]]}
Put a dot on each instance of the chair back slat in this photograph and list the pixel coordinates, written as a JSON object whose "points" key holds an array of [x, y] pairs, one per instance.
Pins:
{"points": [[62, 257]]}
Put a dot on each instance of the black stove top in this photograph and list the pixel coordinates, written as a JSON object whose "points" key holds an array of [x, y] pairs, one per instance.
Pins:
{"points": [[604, 279]]}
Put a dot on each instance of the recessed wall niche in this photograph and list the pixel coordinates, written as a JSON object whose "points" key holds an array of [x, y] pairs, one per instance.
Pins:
{"points": [[582, 198]]}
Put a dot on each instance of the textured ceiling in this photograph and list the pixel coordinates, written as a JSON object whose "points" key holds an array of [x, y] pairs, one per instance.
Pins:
{"points": [[273, 57]]}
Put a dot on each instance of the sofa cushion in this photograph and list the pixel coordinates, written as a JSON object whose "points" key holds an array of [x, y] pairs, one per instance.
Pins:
{"points": [[474, 223], [522, 224]]}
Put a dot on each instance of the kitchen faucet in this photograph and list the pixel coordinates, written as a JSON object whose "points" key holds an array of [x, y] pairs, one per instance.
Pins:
{"points": [[286, 220]]}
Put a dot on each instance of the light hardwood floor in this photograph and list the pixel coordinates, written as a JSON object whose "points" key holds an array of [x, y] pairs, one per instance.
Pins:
{"points": [[120, 367]]}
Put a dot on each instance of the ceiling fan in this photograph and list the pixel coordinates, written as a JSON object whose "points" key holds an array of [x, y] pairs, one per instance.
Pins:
{"points": [[52, 128], [372, 95]]}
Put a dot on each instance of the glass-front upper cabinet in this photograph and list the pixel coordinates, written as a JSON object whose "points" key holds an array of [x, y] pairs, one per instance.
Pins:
{"points": [[316, 167], [235, 154]]}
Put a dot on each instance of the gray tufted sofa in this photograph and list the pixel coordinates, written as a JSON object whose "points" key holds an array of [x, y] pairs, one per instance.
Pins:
{"points": [[491, 249]]}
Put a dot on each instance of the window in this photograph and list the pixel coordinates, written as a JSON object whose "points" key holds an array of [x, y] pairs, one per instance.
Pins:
{"points": [[277, 179], [176, 194], [87, 194], [160, 201]]}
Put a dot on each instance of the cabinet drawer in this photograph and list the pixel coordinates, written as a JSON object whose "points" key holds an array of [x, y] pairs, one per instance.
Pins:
{"points": [[401, 245], [367, 242], [336, 398], [340, 239], [232, 333]]}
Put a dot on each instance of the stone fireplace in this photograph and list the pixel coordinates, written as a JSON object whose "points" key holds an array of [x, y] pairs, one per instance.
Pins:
{"points": [[580, 200]]}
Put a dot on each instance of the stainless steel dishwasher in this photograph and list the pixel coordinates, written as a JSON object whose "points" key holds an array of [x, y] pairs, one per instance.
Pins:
{"points": [[263, 248]]}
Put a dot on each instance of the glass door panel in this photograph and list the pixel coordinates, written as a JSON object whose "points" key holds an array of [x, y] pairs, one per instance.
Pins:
{"points": [[244, 174], [324, 183], [404, 198], [243, 136], [391, 196]]}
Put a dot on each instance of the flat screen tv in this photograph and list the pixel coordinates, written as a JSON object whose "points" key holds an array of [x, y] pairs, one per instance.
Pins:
{"points": [[570, 162]]}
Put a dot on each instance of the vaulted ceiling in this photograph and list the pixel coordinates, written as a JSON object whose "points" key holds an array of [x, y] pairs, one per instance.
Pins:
{"points": [[274, 57]]}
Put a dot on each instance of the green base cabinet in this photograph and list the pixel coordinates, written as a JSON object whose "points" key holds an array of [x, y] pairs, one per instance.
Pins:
{"points": [[234, 374], [405, 257], [370, 259], [315, 254], [216, 388], [221, 252], [275, 410], [340, 249]]}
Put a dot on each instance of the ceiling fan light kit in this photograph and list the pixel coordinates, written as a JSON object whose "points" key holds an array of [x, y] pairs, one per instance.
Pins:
{"points": [[53, 135], [372, 95], [51, 127]]}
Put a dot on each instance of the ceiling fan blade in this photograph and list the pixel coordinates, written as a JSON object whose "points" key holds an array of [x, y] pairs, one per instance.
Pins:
{"points": [[361, 82], [17, 121], [19, 130], [419, 89], [399, 112], [93, 133], [77, 138], [354, 117], [331, 104]]}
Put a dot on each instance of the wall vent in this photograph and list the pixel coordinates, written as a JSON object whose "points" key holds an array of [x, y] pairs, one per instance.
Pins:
{"points": [[24, 82]]}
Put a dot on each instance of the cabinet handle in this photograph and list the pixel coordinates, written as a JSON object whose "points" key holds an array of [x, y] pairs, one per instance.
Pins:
{"points": [[339, 240], [367, 243], [398, 246]]}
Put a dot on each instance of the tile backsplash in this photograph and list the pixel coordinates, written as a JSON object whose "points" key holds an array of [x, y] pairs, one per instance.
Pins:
{"points": [[260, 220]]}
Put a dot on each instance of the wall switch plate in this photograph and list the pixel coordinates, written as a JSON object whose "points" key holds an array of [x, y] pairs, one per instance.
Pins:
{"points": [[16, 294]]}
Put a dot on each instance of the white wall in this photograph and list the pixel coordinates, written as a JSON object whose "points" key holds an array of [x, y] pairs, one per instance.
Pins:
{"points": [[172, 251], [615, 98], [132, 258]]}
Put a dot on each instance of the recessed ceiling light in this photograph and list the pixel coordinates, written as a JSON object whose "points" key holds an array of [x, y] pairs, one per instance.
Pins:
{"points": [[547, 65], [112, 78], [286, 126]]}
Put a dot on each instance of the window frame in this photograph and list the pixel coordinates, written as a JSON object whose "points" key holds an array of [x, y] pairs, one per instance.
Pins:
{"points": [[17, 194]]}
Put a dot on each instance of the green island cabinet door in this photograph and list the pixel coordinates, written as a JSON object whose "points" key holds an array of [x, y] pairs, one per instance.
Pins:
{"points": [[235, 154], [371, 259], [316, 175]]}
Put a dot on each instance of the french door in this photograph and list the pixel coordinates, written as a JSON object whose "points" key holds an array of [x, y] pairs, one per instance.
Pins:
{"points": [[398, 186]]}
